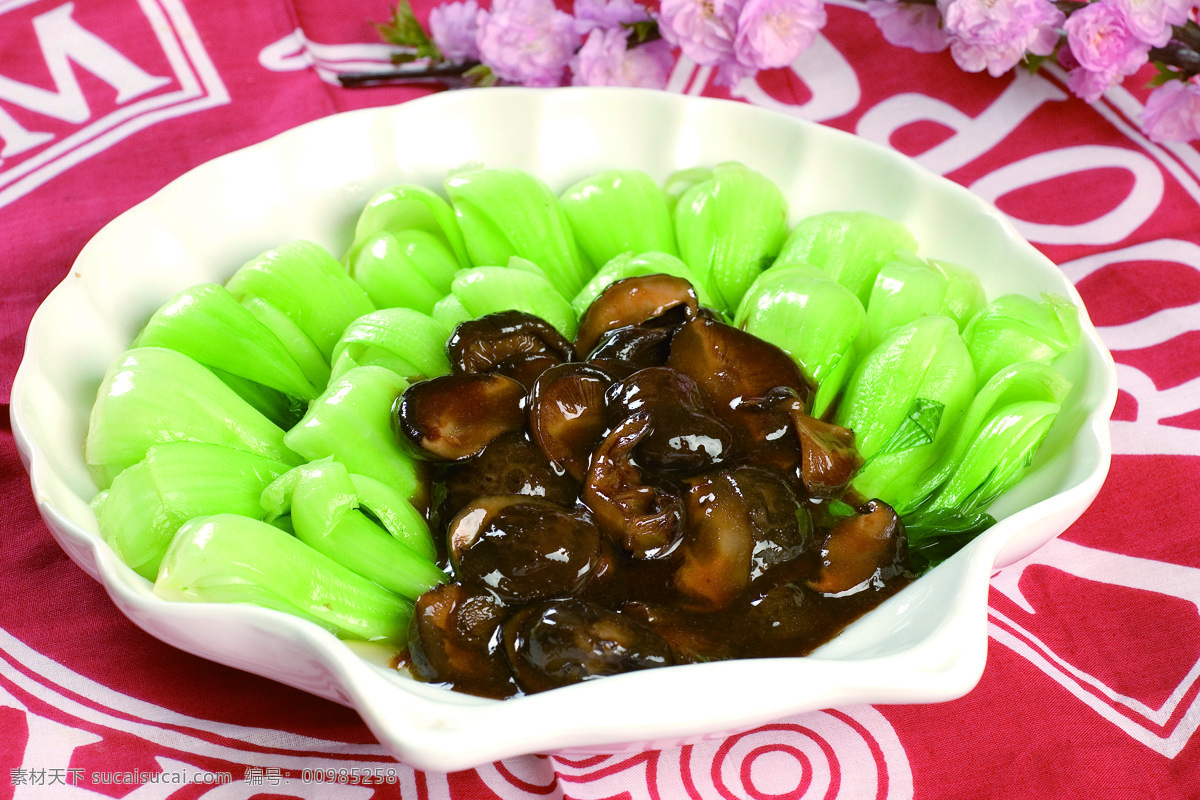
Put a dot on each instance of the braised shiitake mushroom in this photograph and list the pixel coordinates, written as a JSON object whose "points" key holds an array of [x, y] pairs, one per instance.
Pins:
{"points": [[560, 642], [626, 350], [567, 414], [454, 417], [454, 640], [742, 524], [509, 464], [732, 366], [523, 548], [866, 549], [510, 343], [683, 433], [636, 301], [667, 499], [828, 458], [737, 371], [645, 520]]}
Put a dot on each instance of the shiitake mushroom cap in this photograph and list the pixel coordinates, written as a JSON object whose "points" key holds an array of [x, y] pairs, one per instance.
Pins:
{"points": [[634, 301], [510, 464], [643, 519], [454, 637], [743, 524], [633, 347], [560, 642], [567, 414], [683, 433], [523, 548], [732, 366], [513, 343], [862, 551], [737, 372], [454, 417]]}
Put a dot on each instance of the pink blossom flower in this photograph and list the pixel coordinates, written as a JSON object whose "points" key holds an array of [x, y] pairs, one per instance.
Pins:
{"points": [[703, 29], [1102, 42], [1083, 82], [1088, 85], [527, 41], [1151, 20], [606, 60], [913, 25], [996, 34], [731, 73], [452, 27], [773, 33], [1104, 49], [1172, 112], [592, 14]]}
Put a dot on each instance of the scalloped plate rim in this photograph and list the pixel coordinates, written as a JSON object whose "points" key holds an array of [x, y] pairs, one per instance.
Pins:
{"points": [[464, 729]]}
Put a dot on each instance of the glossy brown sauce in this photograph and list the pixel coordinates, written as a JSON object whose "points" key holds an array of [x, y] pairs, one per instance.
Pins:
{"points": [[662, 498]]}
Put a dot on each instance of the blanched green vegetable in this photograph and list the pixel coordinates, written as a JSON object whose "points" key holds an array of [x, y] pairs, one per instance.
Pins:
{"points": [[208, 324], [396, 514], [301, 348], [1017, 384], [965, 296], [935, 535], [324, 506], [308, 284], [276, 406], [911, 287], [449, 312], [730, 228], [1015, 328], [999, 436], [849, 245], [628, 265], [153, 395], [176, 481], [505, 213], [409, 207], [352, 422], [618, 211], [486, 290], [902, 401], [408, 269], [409, 343], [227, 558], [814, 319], [998, 457], [678, 183]]}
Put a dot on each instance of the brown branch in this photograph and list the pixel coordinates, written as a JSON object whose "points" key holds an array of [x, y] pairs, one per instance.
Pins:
{"points": [[444, 74], [1178, 55]]}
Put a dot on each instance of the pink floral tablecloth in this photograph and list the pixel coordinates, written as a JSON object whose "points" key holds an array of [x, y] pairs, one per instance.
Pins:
{"points": [[1092, 687]]}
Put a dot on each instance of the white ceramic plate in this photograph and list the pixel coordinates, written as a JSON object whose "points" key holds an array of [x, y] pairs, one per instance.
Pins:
{"points": [[927, 644]]}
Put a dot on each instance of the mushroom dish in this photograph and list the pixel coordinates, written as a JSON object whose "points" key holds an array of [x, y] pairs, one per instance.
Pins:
{"points": [[653, 493]]}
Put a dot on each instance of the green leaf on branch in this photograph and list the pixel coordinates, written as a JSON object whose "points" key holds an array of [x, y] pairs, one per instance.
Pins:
{"points": [[480, 76], [1032, 63], [1165, 73], [404, 31], [641, 32]]}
